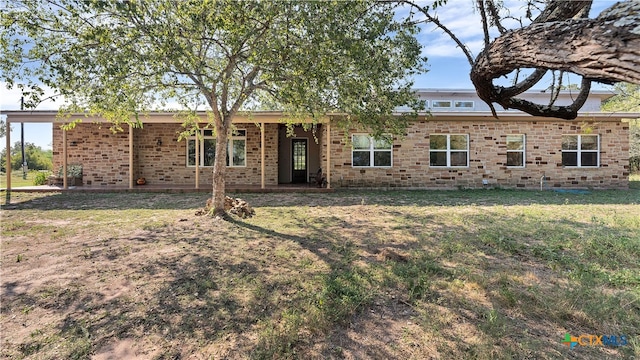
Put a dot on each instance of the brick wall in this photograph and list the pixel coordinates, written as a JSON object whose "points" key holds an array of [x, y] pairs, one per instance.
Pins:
{"points": [[487, 157], [105, 156]]}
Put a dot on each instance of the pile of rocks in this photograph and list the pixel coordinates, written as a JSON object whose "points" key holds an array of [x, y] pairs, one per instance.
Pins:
{"points": [[238, 207], [233, 206]]}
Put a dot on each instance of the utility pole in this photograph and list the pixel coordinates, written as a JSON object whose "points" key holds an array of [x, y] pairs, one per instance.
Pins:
{"points": [[24, 160]]}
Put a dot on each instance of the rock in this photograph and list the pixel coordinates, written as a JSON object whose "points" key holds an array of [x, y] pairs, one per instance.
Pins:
{"points": [[237, 207]]}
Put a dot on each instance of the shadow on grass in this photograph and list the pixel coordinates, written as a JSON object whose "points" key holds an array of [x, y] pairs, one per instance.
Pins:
{"points": [[165, 201], [533, 279]]}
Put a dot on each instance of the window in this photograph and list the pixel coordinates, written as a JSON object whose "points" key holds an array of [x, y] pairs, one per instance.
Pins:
{"points": [[236, 151], [581, 150], [448, 150], [515, 150], [440, 104], [370, 152], [465, 105]]}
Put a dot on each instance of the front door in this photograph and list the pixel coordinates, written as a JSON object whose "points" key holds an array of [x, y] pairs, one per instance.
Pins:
{"points": [[299, 147]]}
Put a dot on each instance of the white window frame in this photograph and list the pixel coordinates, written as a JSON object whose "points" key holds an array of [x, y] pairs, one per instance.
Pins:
{"points": [[240, 134], [579, 151], [448, 151], [434, 102], [523, 151], [237, 135], [372, 150]]}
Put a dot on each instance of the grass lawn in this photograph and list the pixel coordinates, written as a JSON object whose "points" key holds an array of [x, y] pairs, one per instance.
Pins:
{"points": [[487, 274], [17, 180]]}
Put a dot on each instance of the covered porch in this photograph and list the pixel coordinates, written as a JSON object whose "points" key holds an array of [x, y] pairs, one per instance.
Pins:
{"points": [[134, 152]]}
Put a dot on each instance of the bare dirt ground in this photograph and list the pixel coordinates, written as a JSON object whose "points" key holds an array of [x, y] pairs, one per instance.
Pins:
{"points": [[141, 276]]}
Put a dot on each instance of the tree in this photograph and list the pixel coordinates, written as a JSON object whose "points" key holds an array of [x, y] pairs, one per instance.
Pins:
{"points": [[627, 98], [122, 58], [560, 37], [3, 129], [35, 156]]}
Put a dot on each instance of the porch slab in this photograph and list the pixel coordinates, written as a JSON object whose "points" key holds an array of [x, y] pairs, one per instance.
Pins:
{"points": [[283, 188]]}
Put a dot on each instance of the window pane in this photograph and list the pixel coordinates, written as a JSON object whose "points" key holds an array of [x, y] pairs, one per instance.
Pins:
{"points": [[238, 153], [382, 158], [458, 158], [515, 142], [589, 142], [437, 158], [191, 153], [570, 158], [458, 142], [381, 144], [589, 159], [361, 142], [441, 103], [464, 104], [569, 143], [515, 159], [239, 133], [361, 158], [207, 132], [209, 152], [438, 142]]}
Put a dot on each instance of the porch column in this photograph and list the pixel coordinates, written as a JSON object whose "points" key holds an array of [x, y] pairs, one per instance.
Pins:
{"points": [[262, 167], [329, 154], [131, 156], [197, 144], [65, 183], [8, 153]]}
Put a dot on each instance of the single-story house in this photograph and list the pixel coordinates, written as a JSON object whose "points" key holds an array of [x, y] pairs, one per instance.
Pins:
{"points": [[456, 144]]}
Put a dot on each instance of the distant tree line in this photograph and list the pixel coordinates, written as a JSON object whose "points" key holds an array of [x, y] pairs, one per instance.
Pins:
{"points": [[36, 157], [628, 99]]}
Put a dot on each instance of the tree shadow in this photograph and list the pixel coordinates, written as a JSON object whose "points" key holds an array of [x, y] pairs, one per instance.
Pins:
{"points": [[194, 295], [350, 197]]}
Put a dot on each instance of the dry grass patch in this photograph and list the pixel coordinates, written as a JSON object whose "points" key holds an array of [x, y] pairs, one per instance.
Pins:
{"points": [[464, 274]]}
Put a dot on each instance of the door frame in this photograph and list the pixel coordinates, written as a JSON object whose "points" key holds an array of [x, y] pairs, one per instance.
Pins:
{"points": [[306, 159]]}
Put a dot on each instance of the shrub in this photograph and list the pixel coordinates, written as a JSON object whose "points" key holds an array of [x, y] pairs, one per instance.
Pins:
{"points": [[634, 164], [73, 170], [40, 178]]}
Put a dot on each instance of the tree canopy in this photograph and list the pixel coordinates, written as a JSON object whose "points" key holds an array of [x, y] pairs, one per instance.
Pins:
{"points": [[35, 156], [123, 58]]}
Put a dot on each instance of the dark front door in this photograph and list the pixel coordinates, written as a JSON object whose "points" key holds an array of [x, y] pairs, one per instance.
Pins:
{"points": [[299, 147]]}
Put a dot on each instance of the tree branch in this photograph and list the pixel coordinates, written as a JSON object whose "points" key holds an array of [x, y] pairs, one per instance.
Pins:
{"points": [[604, 49]]}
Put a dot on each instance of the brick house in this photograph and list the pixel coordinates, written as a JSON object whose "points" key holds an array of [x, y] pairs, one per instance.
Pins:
{"points": [[457, 145]]}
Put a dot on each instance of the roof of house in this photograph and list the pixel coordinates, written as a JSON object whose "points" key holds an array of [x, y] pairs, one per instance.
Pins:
{"points": [[449, 104]]}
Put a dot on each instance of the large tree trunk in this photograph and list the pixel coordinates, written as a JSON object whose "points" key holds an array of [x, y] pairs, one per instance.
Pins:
{"points": [[604, 49], [220, 165]]}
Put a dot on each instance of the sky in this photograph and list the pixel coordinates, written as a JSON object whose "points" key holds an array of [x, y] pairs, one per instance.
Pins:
{"points": [[447, 66]]}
